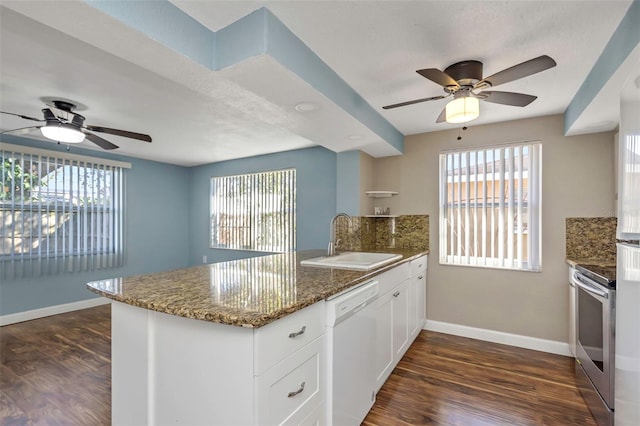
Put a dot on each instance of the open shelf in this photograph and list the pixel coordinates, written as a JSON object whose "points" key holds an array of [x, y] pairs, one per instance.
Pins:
{"points": [[381, 194]]}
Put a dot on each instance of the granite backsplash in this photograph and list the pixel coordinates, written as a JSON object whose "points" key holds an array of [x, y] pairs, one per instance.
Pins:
{"points": [[379, 233], [591, 238]]}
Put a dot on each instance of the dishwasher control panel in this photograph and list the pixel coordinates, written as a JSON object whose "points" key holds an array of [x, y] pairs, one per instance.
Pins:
{"points": [[350, 302]]}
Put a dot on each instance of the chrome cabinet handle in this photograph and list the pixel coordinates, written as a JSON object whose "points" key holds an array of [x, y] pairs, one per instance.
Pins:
{"points": [[396, 294], [292, 394], [293, 335], [420, 277]]}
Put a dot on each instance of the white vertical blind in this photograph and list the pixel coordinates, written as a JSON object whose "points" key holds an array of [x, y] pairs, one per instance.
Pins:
{"points": [[490, 206], [254, 211], [60, 212]]}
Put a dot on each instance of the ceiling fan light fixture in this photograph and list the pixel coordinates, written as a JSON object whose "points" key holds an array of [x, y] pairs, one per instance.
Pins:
{"points": [[462, 110], [62, 132]]}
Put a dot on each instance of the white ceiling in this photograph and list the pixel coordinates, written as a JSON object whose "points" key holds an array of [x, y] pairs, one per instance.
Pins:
{"points": [[121, 78]]}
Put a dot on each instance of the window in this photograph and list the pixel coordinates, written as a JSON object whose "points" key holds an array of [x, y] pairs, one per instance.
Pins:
{"points": [[490, 207], [60, 212], [255, 211]]}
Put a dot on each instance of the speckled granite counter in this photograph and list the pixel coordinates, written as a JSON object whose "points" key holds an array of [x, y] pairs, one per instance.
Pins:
{"points": [[248, 292]]}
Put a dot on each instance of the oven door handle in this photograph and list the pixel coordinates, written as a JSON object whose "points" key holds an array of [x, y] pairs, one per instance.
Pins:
{"points": [[590, 286]]}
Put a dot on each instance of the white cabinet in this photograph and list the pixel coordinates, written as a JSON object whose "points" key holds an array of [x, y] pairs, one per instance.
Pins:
{"points": [[417, 296], [400, 314], [572, 312], [384, 338], [400, 310], [289, 364], [168, 369], [291, 391]]}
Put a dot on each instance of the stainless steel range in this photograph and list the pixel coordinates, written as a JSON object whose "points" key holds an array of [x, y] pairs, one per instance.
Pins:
{"points": [[595, 333]]}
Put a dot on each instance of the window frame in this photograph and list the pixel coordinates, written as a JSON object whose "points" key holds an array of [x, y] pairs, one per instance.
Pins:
{"points": [[509, 207]]}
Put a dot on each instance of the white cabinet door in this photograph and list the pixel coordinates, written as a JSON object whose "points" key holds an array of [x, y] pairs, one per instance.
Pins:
{"points": [[414, 289], [400, 310], [292, 389], [417, 304], [572, 313], [384, 338]]}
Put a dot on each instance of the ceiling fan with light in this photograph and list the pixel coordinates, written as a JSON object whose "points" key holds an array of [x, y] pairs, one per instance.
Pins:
{"points": [[65, 126], [464, 81]]}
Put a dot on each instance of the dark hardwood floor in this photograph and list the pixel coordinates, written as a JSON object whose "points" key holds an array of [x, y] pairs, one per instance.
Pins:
{"points": [[56, 371]]}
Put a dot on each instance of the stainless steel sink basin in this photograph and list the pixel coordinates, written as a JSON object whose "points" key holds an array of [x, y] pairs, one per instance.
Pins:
{"points": [[359, 261]]}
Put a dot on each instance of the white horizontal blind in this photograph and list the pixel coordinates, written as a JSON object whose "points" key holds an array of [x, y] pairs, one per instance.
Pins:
{"points": [[59, 213], [254, 211], [490, 207]]}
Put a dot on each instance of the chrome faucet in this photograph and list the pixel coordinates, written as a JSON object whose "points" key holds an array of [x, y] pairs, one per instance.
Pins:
{"points": [[331, 250]]}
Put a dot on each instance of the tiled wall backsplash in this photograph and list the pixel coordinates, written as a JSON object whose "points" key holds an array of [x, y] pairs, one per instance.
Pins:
{"points": [[591, 238], [379, 233]]}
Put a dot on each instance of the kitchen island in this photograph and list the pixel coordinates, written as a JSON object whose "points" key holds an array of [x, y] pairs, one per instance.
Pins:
{"points": [[239, 342]]}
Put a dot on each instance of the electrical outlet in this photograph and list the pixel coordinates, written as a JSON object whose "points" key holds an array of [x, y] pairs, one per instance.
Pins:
{"points": [[204, 259]]}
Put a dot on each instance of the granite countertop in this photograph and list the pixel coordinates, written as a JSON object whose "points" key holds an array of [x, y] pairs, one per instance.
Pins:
{"points": [[603, 267], [248, 292]]}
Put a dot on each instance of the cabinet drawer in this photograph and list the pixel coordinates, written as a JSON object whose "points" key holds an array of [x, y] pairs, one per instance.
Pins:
{"points": [[390, 279], [292, 389], [275, 341], [418, 266]]}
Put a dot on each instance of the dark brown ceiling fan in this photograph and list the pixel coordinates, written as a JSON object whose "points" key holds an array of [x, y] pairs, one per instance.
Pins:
{"points": [[464, 81], [65, 126]]}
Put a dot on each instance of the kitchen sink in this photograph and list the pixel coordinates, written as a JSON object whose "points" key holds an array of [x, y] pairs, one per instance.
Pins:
{"points": [[358, 261]]}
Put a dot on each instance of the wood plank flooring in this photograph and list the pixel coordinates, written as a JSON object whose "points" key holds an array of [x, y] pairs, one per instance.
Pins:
{"points": [[450, 380], [57, 371]]}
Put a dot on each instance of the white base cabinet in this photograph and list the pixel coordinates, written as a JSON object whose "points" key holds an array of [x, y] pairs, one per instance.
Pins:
{"points": [[400, 314], [168, 369]]}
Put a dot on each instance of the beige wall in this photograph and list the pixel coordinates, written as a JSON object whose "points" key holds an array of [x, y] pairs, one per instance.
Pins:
{"points": [[367, 167], [577, 181]]}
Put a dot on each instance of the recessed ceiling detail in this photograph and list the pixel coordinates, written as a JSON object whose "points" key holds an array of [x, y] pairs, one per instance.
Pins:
{"points": [[213, 81]]}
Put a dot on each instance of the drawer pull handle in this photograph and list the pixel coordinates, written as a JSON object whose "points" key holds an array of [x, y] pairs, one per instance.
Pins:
{"points": [[293, 335], [396, 294], [292, 394], [421, 277]]}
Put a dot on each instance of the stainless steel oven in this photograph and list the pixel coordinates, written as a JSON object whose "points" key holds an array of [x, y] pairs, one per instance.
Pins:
{"points": [[595, 335]]}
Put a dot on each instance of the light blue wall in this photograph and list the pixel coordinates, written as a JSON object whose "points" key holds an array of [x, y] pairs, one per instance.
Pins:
{"points": [[156, 236], [316, 199]]}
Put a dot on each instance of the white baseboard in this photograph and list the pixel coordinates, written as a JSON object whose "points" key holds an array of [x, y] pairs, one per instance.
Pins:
{"points": [[543, 345], [52, 310]]}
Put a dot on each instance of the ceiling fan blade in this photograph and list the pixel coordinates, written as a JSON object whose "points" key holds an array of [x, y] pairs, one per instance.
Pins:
{"points": [[443, 116], [414, 102], [20, 132], [117, 132], [102, 143], [524, 69], [508, 98], [438, 77], [21, 116]]}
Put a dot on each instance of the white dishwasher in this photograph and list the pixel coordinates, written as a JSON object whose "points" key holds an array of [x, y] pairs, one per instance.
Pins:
{"points": [[351, 336]]}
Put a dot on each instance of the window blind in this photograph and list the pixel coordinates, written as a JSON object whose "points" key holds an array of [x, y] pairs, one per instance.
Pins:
{"points": [[254, 211], [60, 212], [490, 207]]}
